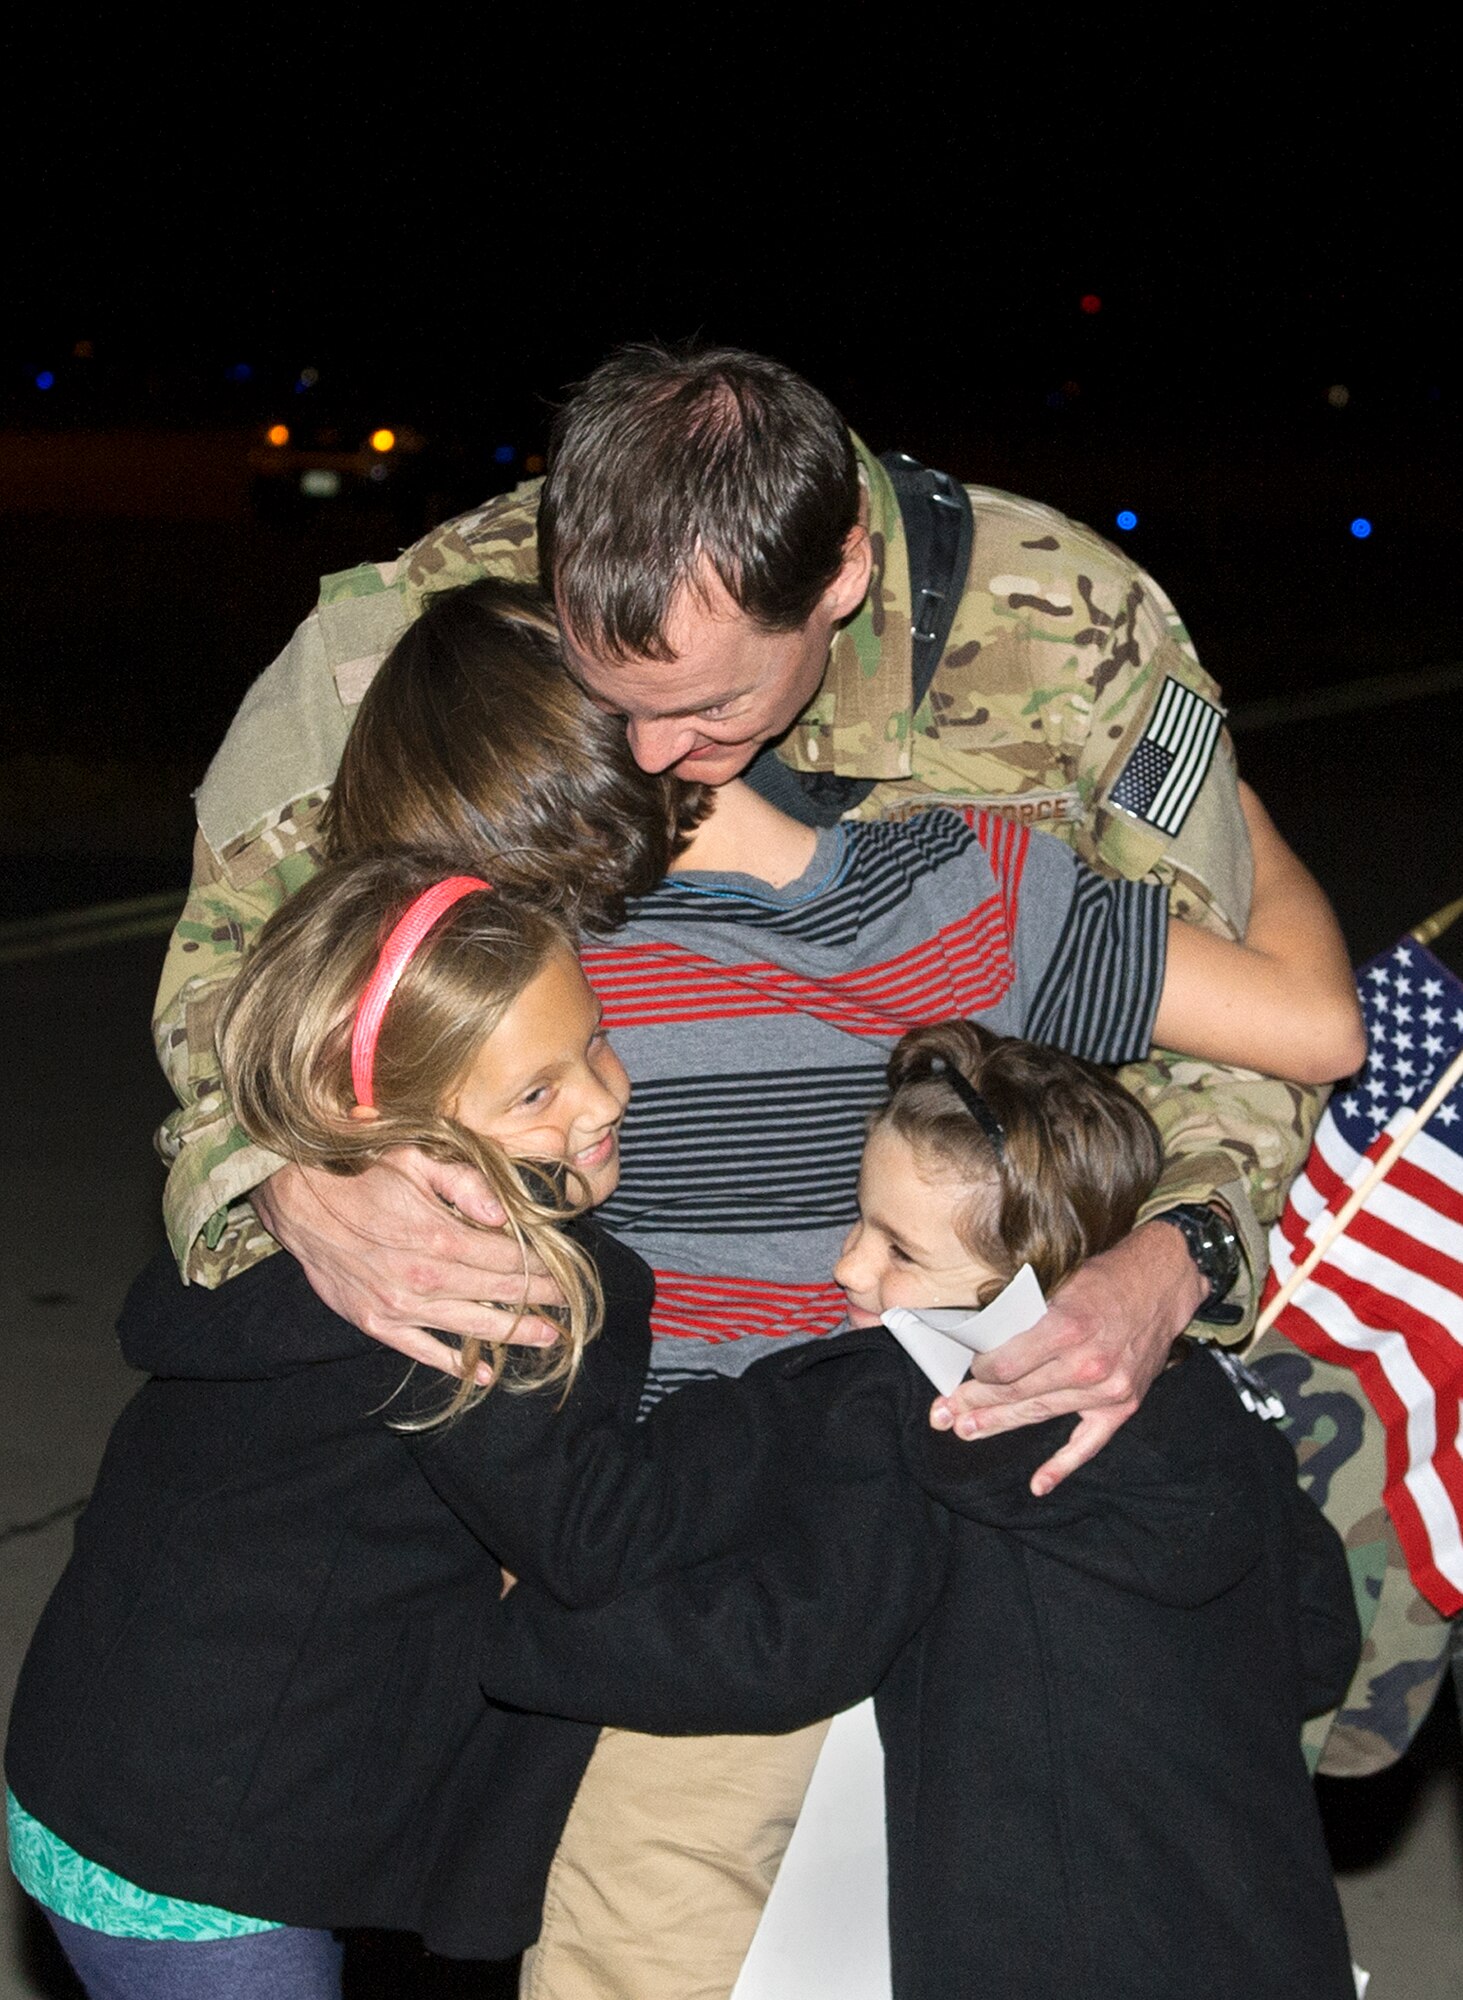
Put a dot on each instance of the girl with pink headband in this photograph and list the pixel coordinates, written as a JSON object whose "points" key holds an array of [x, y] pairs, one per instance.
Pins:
{"points": [[251, 1713]]}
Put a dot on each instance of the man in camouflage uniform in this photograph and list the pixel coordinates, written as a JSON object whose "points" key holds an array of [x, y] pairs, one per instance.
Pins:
{"points": [[1058, 652], [1059, 659]]}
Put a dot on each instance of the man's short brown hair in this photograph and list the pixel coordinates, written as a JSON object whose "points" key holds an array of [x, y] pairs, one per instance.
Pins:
{"points": [[665, 460]]}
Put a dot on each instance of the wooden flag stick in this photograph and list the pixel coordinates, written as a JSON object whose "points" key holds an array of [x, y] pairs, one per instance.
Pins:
{"points": [[1450, 1077], [1440, 921]]}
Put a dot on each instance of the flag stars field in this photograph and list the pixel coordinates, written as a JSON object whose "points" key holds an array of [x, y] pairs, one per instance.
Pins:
{"points": [[1382, 1292]]}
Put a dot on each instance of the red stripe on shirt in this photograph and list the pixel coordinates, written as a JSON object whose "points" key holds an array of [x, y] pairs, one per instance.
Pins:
{"points": [[688, 1307], [963, 969], [1005, 842]]}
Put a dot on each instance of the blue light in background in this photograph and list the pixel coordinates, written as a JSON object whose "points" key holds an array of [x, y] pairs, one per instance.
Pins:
{"points": [[45, 379], [240, 372], [1361, 527], [504, 455], [1127, 519]]}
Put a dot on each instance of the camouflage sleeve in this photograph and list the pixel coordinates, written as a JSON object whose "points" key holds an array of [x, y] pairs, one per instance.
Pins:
{"points": [[258, 840], [213, 1165], [1071, 697], [1229, 1135]]}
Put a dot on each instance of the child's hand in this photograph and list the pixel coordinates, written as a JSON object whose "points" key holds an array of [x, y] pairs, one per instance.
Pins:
{"points": [[387, 1249], [1103, 1340]]}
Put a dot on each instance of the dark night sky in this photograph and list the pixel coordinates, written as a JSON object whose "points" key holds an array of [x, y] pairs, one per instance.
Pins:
{"points": [[453, 207], [453, 217]]}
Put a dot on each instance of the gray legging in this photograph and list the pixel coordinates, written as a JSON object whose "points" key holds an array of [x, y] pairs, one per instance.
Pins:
{"points": [[267, 1965]]}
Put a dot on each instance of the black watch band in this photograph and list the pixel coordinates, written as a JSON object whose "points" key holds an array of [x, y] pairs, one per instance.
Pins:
{"points": [[1212, 1243]]}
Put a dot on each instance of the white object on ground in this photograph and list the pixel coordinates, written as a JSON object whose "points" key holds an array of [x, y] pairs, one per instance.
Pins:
{"points": [[824, 1934]]}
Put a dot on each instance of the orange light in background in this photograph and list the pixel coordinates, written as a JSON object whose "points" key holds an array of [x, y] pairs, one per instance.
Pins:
{"points": [[278, 434], [383, 440], [533, 463]]}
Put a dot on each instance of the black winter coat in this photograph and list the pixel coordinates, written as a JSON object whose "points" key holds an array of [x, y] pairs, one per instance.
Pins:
{"points": [[1093, 1770], [257, 1683]]}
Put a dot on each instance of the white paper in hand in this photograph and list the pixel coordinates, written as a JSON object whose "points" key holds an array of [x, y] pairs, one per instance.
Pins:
{"points": [[942, 1339]]}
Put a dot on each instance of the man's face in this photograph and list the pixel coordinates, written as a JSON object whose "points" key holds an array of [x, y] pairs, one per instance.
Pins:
{"points": [[731, 687]]}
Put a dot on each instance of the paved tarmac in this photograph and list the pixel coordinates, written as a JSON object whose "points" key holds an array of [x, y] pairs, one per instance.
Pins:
{"points": [[1363, 795]]}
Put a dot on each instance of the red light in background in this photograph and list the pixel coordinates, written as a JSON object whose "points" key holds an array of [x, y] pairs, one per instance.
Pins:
{"points": [[1090, 302]]}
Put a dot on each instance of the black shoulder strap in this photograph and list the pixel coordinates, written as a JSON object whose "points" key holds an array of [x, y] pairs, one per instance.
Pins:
{"points": [[938, 531]]}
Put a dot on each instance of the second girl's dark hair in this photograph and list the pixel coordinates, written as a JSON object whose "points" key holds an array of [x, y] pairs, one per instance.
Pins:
{"points": [[473, 740], [1077, 1157]]}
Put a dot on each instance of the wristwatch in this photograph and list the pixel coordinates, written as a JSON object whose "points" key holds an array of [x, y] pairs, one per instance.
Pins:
{"points": [[1214, 1247]]}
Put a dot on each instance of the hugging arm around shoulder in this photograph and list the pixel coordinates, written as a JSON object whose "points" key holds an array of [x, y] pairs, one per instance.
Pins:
{"points": [[1283, 998], [849, 1558], [1229, 1134], [259, 838], [1177, 1510], [567, 1491]]}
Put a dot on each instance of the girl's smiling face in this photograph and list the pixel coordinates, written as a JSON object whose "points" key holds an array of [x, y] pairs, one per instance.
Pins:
{"points": [[903, 1250], [546, 1085]]}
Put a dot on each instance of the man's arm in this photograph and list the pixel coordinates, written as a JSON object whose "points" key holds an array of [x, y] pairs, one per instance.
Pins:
{"points": [[385, 1248], [213, 1165], [1231, 1138]]}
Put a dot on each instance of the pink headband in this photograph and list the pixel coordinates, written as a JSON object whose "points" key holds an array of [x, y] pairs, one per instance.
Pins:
{"points": [[396, 955]]}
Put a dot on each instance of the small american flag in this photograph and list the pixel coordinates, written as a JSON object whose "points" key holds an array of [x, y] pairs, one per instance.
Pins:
{"points": [[1170, 760], [1386, 1299]]}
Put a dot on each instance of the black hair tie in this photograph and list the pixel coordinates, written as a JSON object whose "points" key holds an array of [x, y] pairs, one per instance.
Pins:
{"points": [[974, 1103]]}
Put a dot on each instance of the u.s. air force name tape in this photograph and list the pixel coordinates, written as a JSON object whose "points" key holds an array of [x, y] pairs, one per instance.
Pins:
{"points": [[1170, 760]]}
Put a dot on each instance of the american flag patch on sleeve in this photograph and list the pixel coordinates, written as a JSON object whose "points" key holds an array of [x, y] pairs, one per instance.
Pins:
{"points": [[1162, 777]]}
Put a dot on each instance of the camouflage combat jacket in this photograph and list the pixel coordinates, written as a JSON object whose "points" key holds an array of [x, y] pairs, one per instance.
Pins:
{"points": [[1044, 705]]}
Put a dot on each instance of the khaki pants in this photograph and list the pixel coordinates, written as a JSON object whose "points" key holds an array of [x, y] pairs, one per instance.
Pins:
{"points": [[669, 1854]]}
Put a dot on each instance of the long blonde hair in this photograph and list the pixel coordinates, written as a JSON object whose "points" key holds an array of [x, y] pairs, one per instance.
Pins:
{"points": [[284, 1045]]}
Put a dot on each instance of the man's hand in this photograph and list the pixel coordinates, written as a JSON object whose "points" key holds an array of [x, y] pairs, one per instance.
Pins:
{"points": [[385, 1250], [1105, 1336]]}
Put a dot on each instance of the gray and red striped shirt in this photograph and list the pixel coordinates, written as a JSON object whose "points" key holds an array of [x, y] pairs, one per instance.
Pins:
{"points": [[756, 1022]]}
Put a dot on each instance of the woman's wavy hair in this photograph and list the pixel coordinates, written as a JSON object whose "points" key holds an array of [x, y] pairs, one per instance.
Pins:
{"points": [[472, 739], [285, 1049], [1077, 1160]]}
